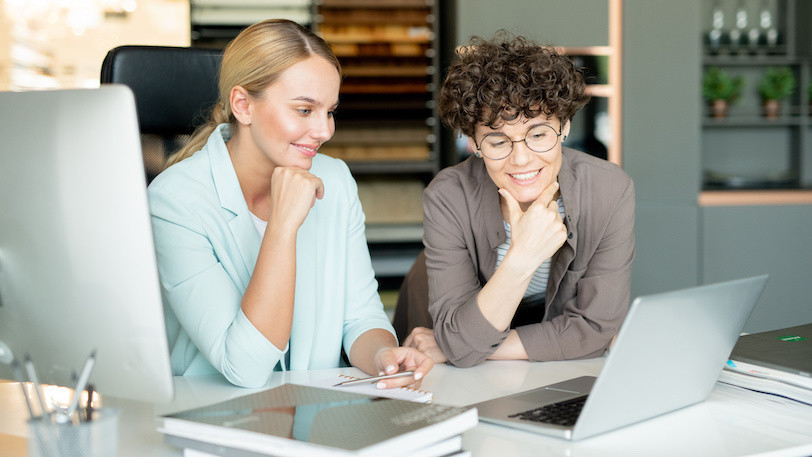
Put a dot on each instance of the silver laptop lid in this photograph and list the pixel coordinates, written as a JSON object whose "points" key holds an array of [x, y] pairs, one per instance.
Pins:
{"points": [[668, 353]]}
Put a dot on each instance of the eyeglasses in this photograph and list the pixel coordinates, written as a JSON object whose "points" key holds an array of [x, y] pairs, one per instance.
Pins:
{"points": [[540, 138]]}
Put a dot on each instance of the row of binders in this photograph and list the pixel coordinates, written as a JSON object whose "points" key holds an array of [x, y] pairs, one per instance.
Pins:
{"points": [[777, 364]]}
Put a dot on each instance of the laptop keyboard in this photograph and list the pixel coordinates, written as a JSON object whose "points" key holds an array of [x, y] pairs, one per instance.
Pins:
{"points": [[562, 413]]}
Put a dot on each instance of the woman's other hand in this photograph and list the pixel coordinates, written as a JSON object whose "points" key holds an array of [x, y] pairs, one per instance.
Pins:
{"points": [[293, 192], [537, 233], [422, 339]]}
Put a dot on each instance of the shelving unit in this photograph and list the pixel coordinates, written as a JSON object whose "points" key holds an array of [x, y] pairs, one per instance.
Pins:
{"points": [[216, 22], [387, 128], [768, 160]]}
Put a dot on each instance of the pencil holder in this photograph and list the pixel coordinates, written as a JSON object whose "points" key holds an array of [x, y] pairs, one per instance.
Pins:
{"points": [[95, 438]]}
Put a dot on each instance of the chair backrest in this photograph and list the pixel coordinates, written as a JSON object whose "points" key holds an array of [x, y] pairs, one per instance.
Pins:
{"points": [[174, 87]]}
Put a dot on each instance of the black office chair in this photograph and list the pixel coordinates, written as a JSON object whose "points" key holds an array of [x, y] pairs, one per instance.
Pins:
{"points": [[174, 89]]}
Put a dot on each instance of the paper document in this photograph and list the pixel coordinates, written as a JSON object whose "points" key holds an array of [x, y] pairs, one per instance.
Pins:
{"points": [[402, 393]]}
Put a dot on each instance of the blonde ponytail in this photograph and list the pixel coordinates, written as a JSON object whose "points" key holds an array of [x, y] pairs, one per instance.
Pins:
{"points": [[219, 115], [254, 60]]}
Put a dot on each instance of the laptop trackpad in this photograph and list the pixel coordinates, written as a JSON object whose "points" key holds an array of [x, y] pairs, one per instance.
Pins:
{"points": [[565, 390]]}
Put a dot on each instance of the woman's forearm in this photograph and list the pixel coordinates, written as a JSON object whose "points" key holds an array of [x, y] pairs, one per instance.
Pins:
{"points": [[362, 353], [269, 297]]}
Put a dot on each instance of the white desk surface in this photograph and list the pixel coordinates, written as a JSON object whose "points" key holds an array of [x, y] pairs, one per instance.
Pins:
{"points": [[720, 426]]}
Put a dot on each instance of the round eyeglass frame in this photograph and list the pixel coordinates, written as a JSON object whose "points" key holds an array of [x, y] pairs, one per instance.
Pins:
{"points": [[524, 140]]}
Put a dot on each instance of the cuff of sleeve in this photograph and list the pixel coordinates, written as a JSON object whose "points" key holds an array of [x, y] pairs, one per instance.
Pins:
{"points": [[252, 356], [479, 334], [538, 344]]}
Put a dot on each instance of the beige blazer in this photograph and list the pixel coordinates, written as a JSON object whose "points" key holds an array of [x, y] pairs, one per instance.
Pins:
{"points": [[588, 290]]}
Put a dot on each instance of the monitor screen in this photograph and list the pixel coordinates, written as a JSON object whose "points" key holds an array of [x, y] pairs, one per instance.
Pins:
{"points": [[78, 269]]}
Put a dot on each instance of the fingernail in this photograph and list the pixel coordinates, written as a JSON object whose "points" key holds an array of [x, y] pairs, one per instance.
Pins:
{"points": [[381, 373], [381, 385], [417, 376], [390, 368]]}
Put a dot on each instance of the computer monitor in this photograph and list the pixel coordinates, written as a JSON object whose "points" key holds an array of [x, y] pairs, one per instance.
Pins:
{"points": [[78, 270]]}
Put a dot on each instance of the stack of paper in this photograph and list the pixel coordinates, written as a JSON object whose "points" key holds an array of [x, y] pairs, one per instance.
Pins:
{"points": [[294, 421], [777, 362], [767, 380], [401, 393]]}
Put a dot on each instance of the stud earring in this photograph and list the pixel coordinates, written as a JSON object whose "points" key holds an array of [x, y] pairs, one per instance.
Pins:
{"points": [[565, 139]]}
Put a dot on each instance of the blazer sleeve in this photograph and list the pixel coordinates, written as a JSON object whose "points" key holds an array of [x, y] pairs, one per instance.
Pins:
{"points": [[461, 330], [201, 293]]}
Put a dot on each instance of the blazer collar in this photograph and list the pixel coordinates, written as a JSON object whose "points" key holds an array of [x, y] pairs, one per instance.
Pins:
{"points": [[570, 191], [231, 197]]}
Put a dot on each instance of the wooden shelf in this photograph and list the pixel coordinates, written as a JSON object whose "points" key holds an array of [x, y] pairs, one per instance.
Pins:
{"points": [[397, 4], [747, 60], [394, 167], [755, 197], [754, 121], [334, 38], [416, 88], [386, 70], [374, 17]]}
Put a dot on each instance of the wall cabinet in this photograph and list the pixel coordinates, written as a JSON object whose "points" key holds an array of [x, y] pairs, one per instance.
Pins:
{"points": [[747, 150]]}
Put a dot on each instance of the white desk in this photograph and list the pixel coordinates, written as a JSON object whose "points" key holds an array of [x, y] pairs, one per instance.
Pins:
{"points": [[721, 426]]}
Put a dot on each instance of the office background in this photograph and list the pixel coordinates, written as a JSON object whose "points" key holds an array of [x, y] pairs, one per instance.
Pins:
{"points": [[681, 239]]}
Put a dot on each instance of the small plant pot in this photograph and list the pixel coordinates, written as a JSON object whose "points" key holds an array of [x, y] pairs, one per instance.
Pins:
{"points": [[719, 109], [772, 108]]}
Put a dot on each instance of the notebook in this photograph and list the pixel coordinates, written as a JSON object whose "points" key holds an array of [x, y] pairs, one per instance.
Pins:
{"points": [[668, 354], [400, 393], [302, 421], [787, 349]]}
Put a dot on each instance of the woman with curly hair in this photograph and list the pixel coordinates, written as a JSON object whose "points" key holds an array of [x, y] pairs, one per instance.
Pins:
{"points": [[528, 244]]}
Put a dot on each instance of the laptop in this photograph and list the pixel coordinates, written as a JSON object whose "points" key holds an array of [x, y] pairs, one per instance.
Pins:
{"points": [[787, 349], [668, 354]]}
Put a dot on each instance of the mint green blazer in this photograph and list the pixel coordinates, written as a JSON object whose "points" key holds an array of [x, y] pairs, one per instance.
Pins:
{"points": [[207, 246]]}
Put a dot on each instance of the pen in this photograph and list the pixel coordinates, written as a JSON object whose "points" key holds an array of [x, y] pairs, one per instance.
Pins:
{"points": [[18, 373], [89, 406], [32, 376], [80, 386], [372, 379]]}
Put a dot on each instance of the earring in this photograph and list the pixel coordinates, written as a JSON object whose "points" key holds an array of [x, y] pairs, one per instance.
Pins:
{"points": [[478, 155], [565, 139]]}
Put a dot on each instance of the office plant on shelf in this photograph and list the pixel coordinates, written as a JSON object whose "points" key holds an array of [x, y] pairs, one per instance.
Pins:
{"points": [[720, 90], [777, 84]]}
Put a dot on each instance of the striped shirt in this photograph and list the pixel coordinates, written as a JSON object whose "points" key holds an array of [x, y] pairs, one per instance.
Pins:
{"points": [[538, 284]]}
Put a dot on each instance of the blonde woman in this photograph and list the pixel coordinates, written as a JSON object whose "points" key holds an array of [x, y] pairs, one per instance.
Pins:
{"points": [[260, 239]]}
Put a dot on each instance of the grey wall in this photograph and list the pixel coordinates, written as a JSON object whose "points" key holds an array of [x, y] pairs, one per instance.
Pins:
{"points": [[557, 22], [661, 139]]}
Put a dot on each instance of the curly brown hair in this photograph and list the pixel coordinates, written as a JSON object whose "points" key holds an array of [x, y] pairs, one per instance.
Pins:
{"points": [[497, 80]]}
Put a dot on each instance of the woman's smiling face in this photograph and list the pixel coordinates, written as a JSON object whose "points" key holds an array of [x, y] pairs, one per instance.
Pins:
{"points": [[524, 173], [295, 114]]}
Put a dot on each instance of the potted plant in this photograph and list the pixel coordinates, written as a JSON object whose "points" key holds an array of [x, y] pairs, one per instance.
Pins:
{"points": [[777, 84], [809, 92], [720, 90]]}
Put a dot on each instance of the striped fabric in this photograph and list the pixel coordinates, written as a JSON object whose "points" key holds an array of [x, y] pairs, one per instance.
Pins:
{"points": [[538, 284]]}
